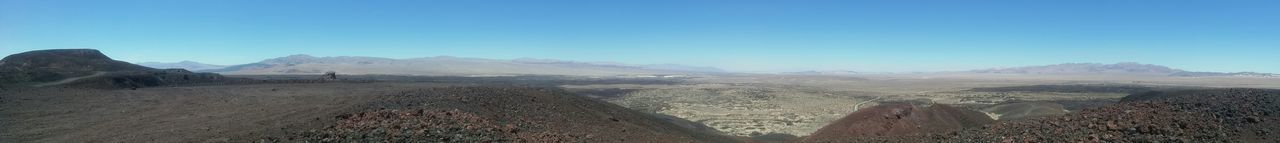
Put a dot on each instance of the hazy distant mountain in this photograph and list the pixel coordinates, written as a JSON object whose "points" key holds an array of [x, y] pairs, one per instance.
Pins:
{"points": [[831, 72], [1117, 68], [676, 67], [189, 65], [445, 65], [1086, 68], [1233, 74], [665, 67]]}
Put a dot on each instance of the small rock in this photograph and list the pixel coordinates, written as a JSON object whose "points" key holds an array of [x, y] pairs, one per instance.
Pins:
{"points": [[1252, 119], [1111, 125]]}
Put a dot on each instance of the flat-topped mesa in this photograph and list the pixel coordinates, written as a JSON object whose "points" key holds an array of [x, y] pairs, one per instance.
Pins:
{"points": [[88, 68], [57, 64], [69, 60]]}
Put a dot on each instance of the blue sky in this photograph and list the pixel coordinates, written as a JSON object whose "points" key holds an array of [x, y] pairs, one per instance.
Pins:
{"points": [[743, 35]]}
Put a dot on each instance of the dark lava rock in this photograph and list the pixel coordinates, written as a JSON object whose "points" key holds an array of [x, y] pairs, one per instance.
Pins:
{"points": [[500, 114], [328, 76], [896, 120], [1207, 115]]}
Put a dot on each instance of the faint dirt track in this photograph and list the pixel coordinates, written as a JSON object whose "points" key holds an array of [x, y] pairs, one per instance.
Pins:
{"points": [[69, 80]]}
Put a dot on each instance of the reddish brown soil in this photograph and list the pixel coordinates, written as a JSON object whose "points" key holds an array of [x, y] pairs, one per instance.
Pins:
{"points": [[898, 119], [500, 114]]}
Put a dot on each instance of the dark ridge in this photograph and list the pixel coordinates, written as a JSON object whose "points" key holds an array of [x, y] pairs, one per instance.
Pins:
{"points": [[897, 120]]}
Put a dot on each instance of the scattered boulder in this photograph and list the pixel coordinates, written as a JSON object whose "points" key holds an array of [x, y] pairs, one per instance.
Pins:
{"points": [[329, 76]]}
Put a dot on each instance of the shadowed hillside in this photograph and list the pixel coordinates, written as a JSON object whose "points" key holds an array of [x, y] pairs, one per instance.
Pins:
{"points": [[58, 64], [897, 120]]}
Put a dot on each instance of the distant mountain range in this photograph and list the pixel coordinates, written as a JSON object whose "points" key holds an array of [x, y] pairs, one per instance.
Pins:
{"points": [[827, 72], [1086, 68], [1234, 74], [189, 65], [1117, 68], [459, 66], [452, 66]]}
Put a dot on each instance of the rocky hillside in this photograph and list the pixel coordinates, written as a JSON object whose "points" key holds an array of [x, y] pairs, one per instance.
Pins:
{"points": [[58, 64], [897, 120], [1207, 115], [88, 68], [452, 66], [500, 114]]}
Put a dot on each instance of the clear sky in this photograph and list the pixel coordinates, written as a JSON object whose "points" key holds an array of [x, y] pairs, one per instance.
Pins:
{"points": [[742, 35]]}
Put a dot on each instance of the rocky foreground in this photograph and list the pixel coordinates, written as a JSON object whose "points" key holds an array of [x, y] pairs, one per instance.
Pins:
{"points": [[499, 114], [1214, 115]]}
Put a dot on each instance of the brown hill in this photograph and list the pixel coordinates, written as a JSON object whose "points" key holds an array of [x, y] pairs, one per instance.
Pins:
{"points": [[898, 119]]}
